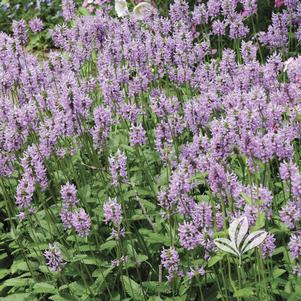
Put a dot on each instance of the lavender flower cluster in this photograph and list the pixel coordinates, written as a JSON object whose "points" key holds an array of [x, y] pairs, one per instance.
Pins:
{"points": [[222, 126]]}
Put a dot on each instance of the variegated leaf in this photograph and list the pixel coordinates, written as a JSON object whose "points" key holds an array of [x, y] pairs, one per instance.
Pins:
{"points": [[121, 8], [142, 10], [241, 231], [226, 245], [254, 240], [233, 228]]}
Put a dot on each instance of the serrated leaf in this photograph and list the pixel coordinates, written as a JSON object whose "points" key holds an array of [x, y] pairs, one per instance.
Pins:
{"points": [[244, 292], [108, 245], [141, 258], [157, 287], [44, 287], [213, 260], [278, 272], [62, 298], [16, 297], [101, 278], [4, 272], [18, 265], [132, 288], [17, 282]]}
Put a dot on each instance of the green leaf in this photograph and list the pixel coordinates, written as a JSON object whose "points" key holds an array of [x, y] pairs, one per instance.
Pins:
{"points": [[79, 257], [16, 297], [141, 258], [4, 272], [213, 260], [157, 287], [148, 204], [83, 11], [18, 265], [132, 288], [155, 298], [91, 260], [260, 222], [63, 298], [77, 288], [18, 282], [108, 245], [101, 278], [154, 238], [278, 272], [44, 287], [244, 292], [3, 255]]}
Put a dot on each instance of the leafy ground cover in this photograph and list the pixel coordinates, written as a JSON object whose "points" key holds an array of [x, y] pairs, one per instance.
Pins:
{"points": [[152, 153]]}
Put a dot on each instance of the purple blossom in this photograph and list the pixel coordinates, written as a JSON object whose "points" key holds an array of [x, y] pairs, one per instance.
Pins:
{"points": [[248, 51], [296, 185], [25, 191], [200, 271], [103, 121], [68, 8], [218, 28], [277, 33], [81, 222], [202, 215], [189, 236], [118, 234], [268, 246], [170, 261], [66, 217], [33, 166], [118, 168], [287, 170], [297, 270], [219, 219], [180, 182], [54, 258], [217, 177], [68, 194], [294, 245], [119, 261], [36, 24], [290, 214], [20, 31], [70, 202], [137, 135], [112, 212]]}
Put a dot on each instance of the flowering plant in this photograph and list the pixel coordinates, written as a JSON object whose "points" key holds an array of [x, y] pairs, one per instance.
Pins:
{"points": [[128, 148]]}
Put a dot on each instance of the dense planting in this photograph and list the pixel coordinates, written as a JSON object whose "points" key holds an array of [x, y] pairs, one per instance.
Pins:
{"points": [[153, 155]]}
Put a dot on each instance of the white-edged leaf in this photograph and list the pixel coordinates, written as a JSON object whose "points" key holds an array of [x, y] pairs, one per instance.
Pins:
{"points": [[254, 240], [121, 8], [226, 245], [233, 228], [142, 10], [244, 226], [287, 63]]}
